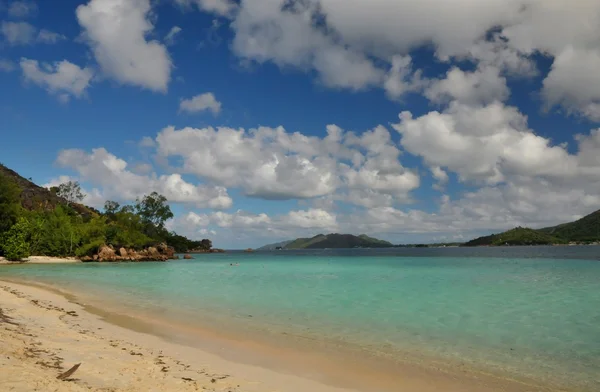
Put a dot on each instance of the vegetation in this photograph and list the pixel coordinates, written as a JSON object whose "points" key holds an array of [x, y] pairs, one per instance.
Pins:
{"points": [[583, 231], [334, 241], [516, 236], [62, 227], [586, 229]]}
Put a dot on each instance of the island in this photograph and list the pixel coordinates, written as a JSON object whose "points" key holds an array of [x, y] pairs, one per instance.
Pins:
{"points": [[330, 241]]}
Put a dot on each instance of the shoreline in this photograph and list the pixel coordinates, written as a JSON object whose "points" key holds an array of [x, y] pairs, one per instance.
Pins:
{"points": [[342, 375], [41, 260]]}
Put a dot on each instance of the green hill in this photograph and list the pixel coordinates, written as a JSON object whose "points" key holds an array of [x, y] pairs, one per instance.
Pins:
{"points": [[586, 229], [516, 236], [337, 241], [53, 222]]}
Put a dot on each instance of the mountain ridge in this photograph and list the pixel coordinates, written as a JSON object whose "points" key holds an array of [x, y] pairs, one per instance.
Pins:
{"points": [[332, 240]]}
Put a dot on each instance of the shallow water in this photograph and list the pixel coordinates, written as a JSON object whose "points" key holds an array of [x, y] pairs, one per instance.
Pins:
{"points": [[524, 311]]}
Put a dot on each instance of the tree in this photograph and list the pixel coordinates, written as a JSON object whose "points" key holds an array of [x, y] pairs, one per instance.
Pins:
{"points": [[71, 192], [206, 244], [154, 209], [10, 203], [111, 208], [14, 241]]}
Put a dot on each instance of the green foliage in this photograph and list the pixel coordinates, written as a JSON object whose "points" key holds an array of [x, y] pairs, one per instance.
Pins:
{"points": [[14, 241], [52, 227], [154, 210], [516, 236], [586, 229], [10, 203], [70, 191]]}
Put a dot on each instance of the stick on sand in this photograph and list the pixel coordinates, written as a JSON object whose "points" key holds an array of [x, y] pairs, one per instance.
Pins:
{"points": [[66, 374]]}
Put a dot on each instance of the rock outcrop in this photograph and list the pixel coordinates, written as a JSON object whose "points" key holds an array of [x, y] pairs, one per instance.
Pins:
{"points": [[187, 257], [106, 253]]}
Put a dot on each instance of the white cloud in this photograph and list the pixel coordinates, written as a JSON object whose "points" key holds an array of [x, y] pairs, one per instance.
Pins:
{"points": [[18, 33], [482, 143], [199, 103], [273, 164], [23, 33], [219, 7], [172, 35], [104, 169], [117, 32], [62, 78], [7, 65], [22, 9], [356, 44], [484, 85], [574, 82], [147, 142], [49, 37]]}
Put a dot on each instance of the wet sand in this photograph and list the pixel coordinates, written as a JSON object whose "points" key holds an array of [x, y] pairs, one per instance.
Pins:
{"points": [[44, 333]]}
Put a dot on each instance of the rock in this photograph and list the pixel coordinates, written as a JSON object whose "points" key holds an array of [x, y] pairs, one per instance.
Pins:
{"points": [[87, 258], [95, 257], [166, 250], [105, 253], [153, 252], [123, 253], [187, 257], [249, 250]]}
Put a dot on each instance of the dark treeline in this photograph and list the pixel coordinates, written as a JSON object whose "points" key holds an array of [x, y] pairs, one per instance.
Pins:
{"points": [[63, 231]]}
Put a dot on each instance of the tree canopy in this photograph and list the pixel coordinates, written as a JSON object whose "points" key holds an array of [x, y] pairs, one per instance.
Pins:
{"points": [[62, 231]]}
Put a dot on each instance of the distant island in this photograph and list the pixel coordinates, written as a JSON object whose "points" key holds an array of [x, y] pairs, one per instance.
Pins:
{"points": [[331, 241], [583, 231]]}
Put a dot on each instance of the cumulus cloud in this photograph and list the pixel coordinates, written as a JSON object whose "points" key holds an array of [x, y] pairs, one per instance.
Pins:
{"points": [[356, 44], [62, 78], [117, 32], [103, 169], [271, 163], [199, 103]]}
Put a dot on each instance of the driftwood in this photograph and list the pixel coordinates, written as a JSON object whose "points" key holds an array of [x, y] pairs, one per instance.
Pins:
{"points": [[65, 375]]}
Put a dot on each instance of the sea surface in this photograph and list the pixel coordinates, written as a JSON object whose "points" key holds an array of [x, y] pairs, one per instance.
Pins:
{"points": [[529, 312]]}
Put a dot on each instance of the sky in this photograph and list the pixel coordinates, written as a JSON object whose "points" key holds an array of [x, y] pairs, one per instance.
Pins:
{"points": [[266, 120]]}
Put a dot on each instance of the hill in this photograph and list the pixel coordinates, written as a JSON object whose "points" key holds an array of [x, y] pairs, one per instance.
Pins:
{"points": [[516, 236], [275, 246], [334, 241], [42, 222], [586, 229], [34, 197]]}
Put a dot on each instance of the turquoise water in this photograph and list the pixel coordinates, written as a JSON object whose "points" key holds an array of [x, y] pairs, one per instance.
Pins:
{"points": [[534, 317]]}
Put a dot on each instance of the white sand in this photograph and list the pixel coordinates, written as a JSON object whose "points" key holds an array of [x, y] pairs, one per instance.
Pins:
{"points": [[42, 334], [42, 260]]}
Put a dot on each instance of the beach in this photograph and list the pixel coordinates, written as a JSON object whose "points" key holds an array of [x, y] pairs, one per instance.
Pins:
{"points": [[42, 260], [43, 334]]}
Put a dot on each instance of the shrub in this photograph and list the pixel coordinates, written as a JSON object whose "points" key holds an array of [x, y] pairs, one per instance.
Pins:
{"points": [[14, 242]]}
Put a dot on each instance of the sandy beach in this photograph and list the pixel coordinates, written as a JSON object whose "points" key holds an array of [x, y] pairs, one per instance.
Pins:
{"points": [[42, 260], [43, 334]]}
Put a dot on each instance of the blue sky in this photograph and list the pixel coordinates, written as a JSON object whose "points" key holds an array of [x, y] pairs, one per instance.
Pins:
{"points": [[266, 120]]}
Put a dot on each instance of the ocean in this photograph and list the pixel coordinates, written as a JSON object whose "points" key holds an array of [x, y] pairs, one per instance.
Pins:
{"points": [[530, 312]]}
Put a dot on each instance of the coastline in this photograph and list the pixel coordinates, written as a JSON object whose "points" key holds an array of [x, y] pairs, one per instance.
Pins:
{"points": [[41, 260], [266, 375]]}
